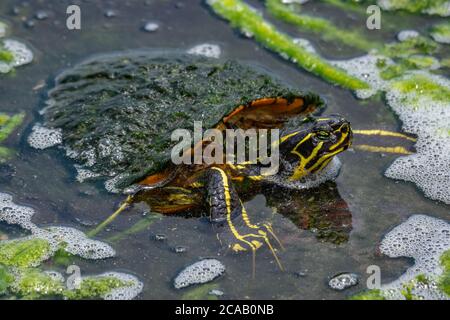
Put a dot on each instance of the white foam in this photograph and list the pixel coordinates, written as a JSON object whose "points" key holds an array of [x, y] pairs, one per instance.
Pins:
{"points": [[21, 53], [442, 9], [12, 213], [440, 37], [424, 239], [421, 115], [206, 49], [200, 272], [43, 138], [123, 293], [3, 29], [407, 34], [73, 240], [85, 174]]}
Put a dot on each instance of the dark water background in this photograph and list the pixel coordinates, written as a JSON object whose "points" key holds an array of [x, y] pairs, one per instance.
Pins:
{"points": [[45, 180]]}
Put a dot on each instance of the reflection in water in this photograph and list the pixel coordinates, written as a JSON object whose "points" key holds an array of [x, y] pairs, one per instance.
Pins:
{"points": [[321, 210]]}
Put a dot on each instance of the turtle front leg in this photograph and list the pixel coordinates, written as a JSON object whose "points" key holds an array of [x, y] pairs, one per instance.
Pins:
{"points": [[227, 210]]}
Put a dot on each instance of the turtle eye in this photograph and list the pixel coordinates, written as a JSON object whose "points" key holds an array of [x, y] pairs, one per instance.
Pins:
{"points": [[323, 135]]}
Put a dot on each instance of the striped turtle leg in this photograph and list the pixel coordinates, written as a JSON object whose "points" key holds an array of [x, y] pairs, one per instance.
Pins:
{"points": [[227, 210]]}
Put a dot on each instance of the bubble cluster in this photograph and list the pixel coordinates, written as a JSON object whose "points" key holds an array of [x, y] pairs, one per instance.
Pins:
{"points": [[43, 138], [424, 239], [206, 49], [73, 240], [343, 281], [12, 213], [421, 114], [407, 34], [200, 272], [84, 174], [123, 293], [21, 55]]}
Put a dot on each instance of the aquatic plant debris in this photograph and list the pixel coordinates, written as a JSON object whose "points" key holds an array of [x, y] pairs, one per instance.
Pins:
{"points": [[13, 54], [250, 22], [8, 124], [432, 7], [320, 26], [422, 102], [441, 32], [425, 239], [22, 258], [202, 271]]}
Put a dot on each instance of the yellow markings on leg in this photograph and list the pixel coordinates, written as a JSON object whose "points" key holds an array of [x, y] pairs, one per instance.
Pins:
{"points": [[398, 149], [253, 244], [384, 133]]}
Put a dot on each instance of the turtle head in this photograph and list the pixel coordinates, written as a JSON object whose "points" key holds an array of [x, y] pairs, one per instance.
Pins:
{"points": [[310, 148]]}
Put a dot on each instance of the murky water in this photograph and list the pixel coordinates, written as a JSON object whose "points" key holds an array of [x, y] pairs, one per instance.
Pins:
{"points": [[45, 180]]}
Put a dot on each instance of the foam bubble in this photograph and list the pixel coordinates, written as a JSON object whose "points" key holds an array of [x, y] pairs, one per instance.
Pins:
{"points": [[343, 281], [206, 49], [424, 239], [43, 138], [200, 272], [407, 34], [420, 114], [305, 44], [123, 293], [84, 174], [73, 240], [22, 55], [12, 213], [3, 29]]}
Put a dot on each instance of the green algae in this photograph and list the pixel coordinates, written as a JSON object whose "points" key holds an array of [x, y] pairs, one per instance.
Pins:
{"points": [[322, 27], [24, 252], [411, 46], [415, 62], [5, 55], [441, 32], [201, 292], [249, 21], [96, 287], [6, 279], [35, 284], [437, 7], [444, 279], [422, 85], [374, 294], [7, 125], [139, 226]]}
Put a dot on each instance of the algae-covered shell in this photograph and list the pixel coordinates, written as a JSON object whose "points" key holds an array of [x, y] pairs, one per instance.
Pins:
{"points": [[117, 112]]}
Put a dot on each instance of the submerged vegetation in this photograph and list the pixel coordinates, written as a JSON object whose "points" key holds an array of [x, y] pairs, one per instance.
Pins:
{"points": [[250, 22], [7, 125], [12, 52]]}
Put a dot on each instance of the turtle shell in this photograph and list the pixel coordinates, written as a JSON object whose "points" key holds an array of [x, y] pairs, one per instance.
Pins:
{"points": [[117, 112]]}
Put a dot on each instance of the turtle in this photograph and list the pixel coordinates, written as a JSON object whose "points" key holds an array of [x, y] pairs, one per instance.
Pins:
{"points": [[117, 113]]}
